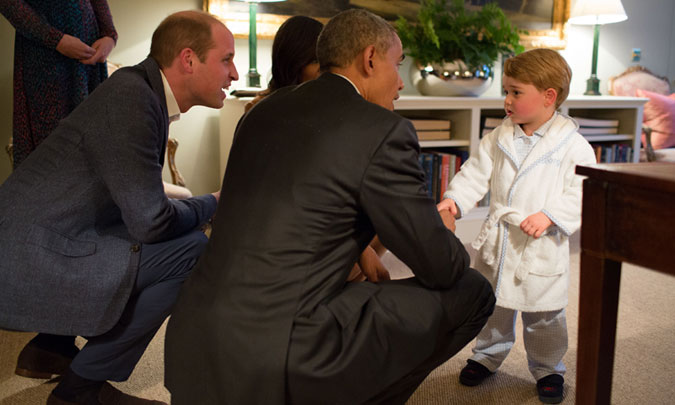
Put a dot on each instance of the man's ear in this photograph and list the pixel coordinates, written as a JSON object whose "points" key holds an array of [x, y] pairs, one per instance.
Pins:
{"points": [[368, 56], [186, 58], [550, 96]]}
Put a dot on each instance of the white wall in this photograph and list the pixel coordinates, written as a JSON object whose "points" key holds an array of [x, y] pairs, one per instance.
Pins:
{"points": [[649, 27], [197, 130], [135, 20]]}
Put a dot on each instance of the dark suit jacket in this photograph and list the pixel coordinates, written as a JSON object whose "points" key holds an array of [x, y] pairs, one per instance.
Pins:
{"points": [[74, 213], [314, 172]]}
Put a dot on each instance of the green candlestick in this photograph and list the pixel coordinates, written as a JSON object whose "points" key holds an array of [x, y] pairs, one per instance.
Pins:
{"points": [[593, 84], [253, 77]]}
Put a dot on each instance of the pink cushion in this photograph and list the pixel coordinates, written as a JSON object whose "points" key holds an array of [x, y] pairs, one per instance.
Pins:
{"points": [[659, 115]]}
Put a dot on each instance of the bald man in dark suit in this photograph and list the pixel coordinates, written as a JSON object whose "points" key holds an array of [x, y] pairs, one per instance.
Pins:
{"points": [[315, 171]]}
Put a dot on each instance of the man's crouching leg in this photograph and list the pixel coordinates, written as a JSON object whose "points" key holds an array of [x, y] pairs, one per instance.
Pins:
{"points": [[113, 355], [467, 306]]}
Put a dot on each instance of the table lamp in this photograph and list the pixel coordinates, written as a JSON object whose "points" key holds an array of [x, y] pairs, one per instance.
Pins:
{"points": [[597, 13], [253, 77]]}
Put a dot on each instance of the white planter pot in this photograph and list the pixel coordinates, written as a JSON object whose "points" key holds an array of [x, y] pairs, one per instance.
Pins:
{"points": [[450, 79]]}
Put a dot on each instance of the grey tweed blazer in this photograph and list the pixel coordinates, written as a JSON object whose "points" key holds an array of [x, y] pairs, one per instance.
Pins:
{"points": [[74, 215]]}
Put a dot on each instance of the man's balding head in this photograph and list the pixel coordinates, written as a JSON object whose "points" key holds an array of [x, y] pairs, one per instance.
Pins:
{"points": [[347, 34], [184, 29], [364, 48]]}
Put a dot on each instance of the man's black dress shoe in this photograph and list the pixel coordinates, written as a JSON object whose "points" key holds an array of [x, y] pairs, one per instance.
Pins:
{"points": [[39, 360], [107, 395]]}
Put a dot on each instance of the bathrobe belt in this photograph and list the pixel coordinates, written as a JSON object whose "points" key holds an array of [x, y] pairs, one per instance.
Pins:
{"points": [[507, 215]]}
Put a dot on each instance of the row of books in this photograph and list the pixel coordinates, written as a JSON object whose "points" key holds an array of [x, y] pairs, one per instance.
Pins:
{"points": [[615, 153], [431, 129], [594, 126], [439, 169], [489, 124], [587, 126]]}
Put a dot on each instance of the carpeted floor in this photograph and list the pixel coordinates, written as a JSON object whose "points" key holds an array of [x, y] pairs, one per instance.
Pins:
{"points": [[644, 371]]}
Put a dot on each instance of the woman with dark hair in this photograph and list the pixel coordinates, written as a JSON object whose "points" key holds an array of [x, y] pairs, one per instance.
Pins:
{"points": [[293, 55]]}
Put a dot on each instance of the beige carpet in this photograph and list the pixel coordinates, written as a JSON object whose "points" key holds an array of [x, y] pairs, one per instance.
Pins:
{"points": [[644, 371]]}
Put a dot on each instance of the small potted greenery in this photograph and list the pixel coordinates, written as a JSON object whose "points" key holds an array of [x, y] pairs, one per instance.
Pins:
{"points": [[455, 48]]}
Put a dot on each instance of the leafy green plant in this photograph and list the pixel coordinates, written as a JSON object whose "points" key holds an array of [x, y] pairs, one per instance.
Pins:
{"points": [[445, 33]]}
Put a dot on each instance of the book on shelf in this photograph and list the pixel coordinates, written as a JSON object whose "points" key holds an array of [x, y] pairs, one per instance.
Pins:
{"points": [[433, 135], [435, 176], [439, 168], [489, 124], [427, 163], [614, 153], [492, 122], [431, 129], [598, 130], [430, 124], [594, 122], [445, 172], [595, 126]]}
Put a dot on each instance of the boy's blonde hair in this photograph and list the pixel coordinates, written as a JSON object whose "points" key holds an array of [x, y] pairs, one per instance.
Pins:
{"points": [[544, 69]]}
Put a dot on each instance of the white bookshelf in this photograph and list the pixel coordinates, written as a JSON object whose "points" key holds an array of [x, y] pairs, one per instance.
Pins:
{"points": [[465, 114], [444, 144], [233, 109], [609, 138]]}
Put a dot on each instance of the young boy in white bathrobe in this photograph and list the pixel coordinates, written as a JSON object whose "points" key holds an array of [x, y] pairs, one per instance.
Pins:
{"points": [[527, 164]]}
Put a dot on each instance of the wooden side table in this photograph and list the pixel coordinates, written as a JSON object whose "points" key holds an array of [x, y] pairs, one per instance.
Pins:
{"points": [[627, 216]]}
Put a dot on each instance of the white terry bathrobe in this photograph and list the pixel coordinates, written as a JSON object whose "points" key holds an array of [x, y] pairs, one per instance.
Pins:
{"points": [[527, 274]]}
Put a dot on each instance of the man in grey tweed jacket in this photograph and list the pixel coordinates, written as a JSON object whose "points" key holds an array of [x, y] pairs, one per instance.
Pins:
{"points": [[89, 243]]}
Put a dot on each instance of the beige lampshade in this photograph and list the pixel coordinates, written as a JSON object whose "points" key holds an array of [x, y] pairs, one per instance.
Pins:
{"points": [[591, 12]]}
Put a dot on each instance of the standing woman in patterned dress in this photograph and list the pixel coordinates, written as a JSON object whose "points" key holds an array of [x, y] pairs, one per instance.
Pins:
{"points": [[60, 51]]}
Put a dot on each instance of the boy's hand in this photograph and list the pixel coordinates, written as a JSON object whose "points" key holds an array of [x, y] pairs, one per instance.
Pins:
{"points": [[536, 224], [448, 204], [448, 220]]}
